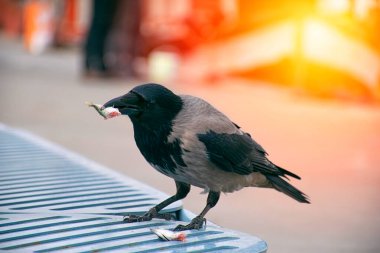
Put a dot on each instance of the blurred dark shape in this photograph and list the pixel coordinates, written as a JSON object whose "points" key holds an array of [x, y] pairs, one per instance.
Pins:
{"points": [[113, 39], [103, 15], [124, 41]]}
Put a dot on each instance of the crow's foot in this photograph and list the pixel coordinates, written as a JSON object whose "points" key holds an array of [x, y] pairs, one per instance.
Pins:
{"points": [[196, 223], [152, 213]]}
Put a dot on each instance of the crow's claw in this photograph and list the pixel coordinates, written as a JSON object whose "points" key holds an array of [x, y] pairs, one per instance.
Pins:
{"points": [[135, 218], [196, 223], [152, 213]]}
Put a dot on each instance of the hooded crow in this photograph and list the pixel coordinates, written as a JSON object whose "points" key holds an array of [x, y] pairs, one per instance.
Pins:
{"points": [[187, 139]]}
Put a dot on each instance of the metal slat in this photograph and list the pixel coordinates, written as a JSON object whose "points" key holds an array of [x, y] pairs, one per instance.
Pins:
{"points": [[52, 200], [84, 233], [63, 192], [55, 171]]}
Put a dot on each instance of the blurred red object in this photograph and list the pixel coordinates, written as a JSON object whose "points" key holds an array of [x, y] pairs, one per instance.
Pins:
{"points": [[10, 17], [68, 28]]}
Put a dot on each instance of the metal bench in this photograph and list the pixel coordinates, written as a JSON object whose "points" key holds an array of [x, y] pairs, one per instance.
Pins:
{"points": [[52, 200]]}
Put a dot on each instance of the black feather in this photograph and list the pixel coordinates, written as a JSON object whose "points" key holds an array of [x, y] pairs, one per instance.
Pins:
{"points": [[286, 188], [242, 155], [239, 153], [230, 152], [166, 157], [286, 172]]}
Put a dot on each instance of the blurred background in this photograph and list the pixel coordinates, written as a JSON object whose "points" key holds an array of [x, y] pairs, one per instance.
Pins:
{"points": [[302, 76]]}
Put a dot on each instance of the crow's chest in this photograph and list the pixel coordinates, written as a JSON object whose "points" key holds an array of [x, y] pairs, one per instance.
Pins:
{"points": [[165, 156]]}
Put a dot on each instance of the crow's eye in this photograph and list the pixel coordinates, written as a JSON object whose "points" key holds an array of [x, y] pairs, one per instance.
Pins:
{"points": [[138, 96]]}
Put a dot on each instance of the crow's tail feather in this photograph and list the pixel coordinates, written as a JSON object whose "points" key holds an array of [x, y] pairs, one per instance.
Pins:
{"points": [[286, 188], [287, 173]]}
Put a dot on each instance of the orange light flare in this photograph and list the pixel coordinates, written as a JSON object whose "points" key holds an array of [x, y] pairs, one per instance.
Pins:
{"points": [[328, 46], [335, 51]]}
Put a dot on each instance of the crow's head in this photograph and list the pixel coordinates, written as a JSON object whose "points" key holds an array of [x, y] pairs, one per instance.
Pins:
{"points": [[148, 104]]}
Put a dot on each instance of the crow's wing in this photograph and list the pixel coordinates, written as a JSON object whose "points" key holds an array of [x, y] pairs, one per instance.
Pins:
{"points": [[239, 153]]}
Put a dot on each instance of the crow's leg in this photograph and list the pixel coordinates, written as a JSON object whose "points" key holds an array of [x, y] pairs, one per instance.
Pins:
{"points": [[197, 222], [182, 191]]}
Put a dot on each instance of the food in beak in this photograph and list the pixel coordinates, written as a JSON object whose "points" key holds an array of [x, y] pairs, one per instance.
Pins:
{"points": [[106, 113]]}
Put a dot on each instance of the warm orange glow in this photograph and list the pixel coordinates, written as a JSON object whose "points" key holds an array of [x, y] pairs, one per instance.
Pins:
{"points": [[334, 6], [312, 44], [327, 45]]}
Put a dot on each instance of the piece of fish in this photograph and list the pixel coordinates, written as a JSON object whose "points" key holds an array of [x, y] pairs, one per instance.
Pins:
{"points": [[106, 113], [168, 235]]}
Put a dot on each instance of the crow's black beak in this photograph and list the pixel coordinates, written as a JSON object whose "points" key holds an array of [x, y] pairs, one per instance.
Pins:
{"points": [[127, 104]]}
